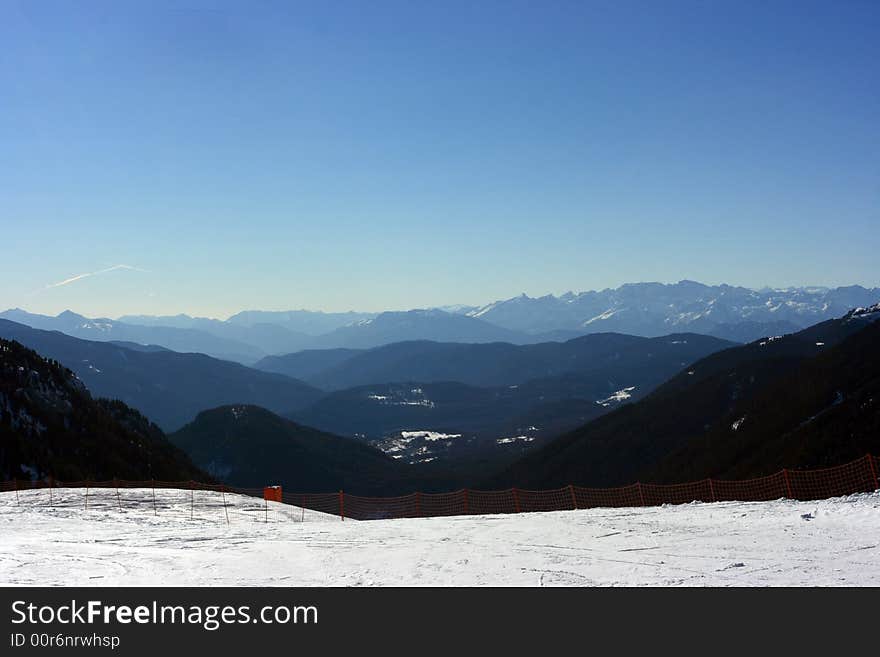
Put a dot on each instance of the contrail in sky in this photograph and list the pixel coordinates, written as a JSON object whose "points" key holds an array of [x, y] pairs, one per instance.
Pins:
{"points": [[79, 277]]}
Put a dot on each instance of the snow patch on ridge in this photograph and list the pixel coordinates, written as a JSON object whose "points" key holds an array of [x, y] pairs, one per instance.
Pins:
{"points": [[617, 397]]}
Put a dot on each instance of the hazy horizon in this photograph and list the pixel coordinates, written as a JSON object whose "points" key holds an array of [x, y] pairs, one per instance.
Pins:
{"points": [[282, 308], [204, 158]]}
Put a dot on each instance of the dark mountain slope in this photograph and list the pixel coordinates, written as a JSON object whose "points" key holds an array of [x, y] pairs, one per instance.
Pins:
{"points": [[168, 387], [307, 363], [51, 426], [602, 356], [250, 446], [824, 412], [632, 441]]}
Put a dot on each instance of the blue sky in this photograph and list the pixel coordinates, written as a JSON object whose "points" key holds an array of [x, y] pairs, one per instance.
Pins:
{"points": [[369, 156]]}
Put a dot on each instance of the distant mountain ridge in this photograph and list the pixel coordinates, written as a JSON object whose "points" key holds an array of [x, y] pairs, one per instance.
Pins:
{"points": [[437, 325], [606, 356], [168, 387], [184, 340], [652, 309], [643, 309]]}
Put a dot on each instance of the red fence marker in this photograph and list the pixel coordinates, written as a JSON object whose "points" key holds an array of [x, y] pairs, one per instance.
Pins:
{"points": [[787, 484], [574, 504]]}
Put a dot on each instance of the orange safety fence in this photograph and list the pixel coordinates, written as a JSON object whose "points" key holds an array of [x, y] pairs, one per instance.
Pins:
{"points": [[859, 476]]}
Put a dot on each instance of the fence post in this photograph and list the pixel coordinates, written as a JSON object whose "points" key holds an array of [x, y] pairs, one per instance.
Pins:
{"points": [[418, 504], [873, 470], [574, 504], [787, 484], [118, 499], [342, 505], [51, 486], [266, 507], [515, 499], [153, 486], [467, 509], [17, 498], [711, 490], [192, 498], [641, 494], [225, 508], [302, 508]]}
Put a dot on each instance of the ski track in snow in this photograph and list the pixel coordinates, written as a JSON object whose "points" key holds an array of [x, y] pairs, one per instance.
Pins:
{"points": [[827, 542]]}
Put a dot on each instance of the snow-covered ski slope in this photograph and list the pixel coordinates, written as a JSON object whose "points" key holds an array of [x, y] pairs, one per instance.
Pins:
{"points": [[187, 542]]}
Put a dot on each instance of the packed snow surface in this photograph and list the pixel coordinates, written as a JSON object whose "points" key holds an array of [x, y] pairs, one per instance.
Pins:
{"points": [[187, 541]]}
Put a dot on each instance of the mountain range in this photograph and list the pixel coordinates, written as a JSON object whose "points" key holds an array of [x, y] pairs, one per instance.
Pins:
{"points": [[808, 399], [606, 357], [488, 391], [533, 390], [494, 398], [642, 309], [168, 387], [52, 428], [652, 309]]}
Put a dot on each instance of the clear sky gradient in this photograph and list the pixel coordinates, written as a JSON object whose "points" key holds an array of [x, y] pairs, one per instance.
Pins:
{"points": [[387, 155]]}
